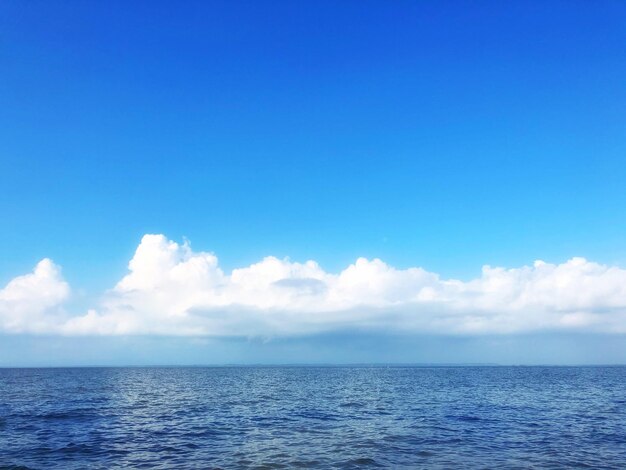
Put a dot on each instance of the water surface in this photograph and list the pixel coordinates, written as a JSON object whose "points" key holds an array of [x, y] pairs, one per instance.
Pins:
{"points": [[315, 417]]}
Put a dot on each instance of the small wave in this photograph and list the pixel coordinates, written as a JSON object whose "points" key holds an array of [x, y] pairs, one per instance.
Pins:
{"points": [[360, 462]]}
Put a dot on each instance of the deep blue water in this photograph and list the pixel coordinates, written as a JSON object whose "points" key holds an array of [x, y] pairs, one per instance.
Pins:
{"points": [[322, 417]]}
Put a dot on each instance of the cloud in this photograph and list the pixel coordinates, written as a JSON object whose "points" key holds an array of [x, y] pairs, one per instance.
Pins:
{"points": [[32, 303], [172, 290]]}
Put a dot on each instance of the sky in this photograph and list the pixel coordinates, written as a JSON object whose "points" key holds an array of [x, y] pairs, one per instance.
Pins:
{"points": [[236, 182]]}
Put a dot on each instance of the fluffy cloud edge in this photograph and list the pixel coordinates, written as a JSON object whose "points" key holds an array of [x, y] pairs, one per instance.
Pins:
{"points": [[172, 290]]}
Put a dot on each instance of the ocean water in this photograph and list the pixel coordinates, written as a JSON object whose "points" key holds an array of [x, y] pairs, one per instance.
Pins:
{"points": [[313, 417]]}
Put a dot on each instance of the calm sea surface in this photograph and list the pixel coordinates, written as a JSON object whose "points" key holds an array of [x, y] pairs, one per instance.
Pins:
{"points": [[321, 417]]}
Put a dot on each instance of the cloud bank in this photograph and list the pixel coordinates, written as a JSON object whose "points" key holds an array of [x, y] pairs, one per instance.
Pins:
{"points": [[172, 290]]}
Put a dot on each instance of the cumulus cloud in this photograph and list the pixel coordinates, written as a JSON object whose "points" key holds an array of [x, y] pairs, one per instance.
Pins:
{"points": [[32, 303], [172, 290]]}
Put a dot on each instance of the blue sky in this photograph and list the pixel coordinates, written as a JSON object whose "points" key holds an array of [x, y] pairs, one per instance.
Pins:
{"points": [[447, 135]]}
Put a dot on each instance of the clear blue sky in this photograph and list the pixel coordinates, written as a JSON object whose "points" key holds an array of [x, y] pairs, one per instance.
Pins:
{"points": [[444, 134]]}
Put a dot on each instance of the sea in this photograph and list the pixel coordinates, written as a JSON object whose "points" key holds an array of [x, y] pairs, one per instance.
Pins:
{"points": [[313, 417]]}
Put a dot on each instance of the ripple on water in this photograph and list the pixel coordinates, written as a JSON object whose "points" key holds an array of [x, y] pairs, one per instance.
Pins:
{"points": [[308, 417]]}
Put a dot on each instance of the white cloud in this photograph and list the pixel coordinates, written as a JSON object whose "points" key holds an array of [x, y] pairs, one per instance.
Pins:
{"points": [[31, 303], [172, 290]]}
